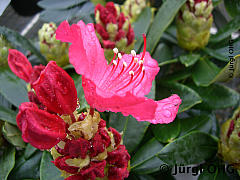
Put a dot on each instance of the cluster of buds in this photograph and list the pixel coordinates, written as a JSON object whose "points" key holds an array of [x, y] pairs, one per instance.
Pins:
{"points": [[229, 144], [133, 8], [91, 151], [52, 49], [4, 46], [113, 29], [194, 21], [81, 145]]}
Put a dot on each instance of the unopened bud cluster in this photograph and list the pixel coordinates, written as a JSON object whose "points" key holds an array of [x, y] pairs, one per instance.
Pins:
{"points": [[230, 140], [113, 29], [194, 21], [50, 47], [4, 46], [90, 150]]}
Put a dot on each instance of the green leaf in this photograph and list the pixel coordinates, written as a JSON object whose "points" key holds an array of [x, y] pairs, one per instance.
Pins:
{"points": [[166, 132], [47, 169], [141, 26], [216, 2], [78, 84], [192, 148], [56, 4], [200, 77], [7, 161], [21, 42], [162, 53], [162, 20], [14, 89], [3, 5], [133, 130], [215, 54], [8, 115], [152, 93], [189, 96], [12, 135], [145, 160], [232, 7], [26, 169], [227, 30], [29, 151], [216, 96], [177, 76], [189, 59], [200, 123]]}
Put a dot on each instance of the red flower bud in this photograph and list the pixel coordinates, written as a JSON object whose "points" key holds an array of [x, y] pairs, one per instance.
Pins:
{"points": [[115, 173], [19, 65], [56, 89], [95, 169], [36, 73], [119, 157], [100, 29], [61, 164], [117, 136]]}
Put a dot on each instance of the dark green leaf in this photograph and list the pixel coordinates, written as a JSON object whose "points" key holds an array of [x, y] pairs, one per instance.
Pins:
{"points": [[78, 84], [216, 96], [26, 169], [7, 161], [56, 4], [189, 59], [192, 148], [3, 5], [166, 132], [14, 89], [216, 2], [204, 72], [232, 26], [163, 53], [8, 115], [163, 18], [141, 26], [189, 96], [29, 151], [133, 130], [47, 169], [12, 135], [215, 54], [232, 7], [21, 42], [145, 160], [152, 93], [177, 76]]}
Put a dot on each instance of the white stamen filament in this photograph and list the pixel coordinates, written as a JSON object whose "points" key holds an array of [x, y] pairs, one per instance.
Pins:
{"points": [[119, 56], [124, 63], [131, 73], [133, 53], [115, 50], [140, 62], [114, 62]]}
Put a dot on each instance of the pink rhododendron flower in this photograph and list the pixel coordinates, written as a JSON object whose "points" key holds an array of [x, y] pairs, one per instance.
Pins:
{"points": [[121, 85]]}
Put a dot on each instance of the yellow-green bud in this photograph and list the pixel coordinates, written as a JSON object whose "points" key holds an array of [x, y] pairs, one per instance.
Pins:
{"points": [[50, 47], [4, 46]]}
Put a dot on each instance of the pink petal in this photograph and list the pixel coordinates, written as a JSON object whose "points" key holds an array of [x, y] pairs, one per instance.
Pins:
{"points": [[56, 89], [85, 52], [40, 128], [19, 65]]}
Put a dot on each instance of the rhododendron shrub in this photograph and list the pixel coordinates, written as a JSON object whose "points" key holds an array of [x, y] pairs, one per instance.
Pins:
{"points": [[119, 86], [80, 143]]}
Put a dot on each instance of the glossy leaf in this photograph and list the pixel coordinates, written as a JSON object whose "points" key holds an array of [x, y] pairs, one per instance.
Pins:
{"points": [[192, 148], [216, 96], [215, 54], [56, 4], [141, 26], [189, 59], [26, 169], [7, 161], [162, 20], [29, 151], [189, 96], [19, 41], [8, 115], [14, 89], [232, 26], [232, 7], [200, 77], [166, 132], [162, 53], [133, 130], [47, 169], [145, 160], [3, 5], [13, 135]]}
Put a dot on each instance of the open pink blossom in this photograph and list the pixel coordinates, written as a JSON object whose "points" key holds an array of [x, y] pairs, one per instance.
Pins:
{"points": [[121, 85]]}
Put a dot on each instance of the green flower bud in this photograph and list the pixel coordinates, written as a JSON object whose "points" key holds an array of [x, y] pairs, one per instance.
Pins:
{"points": [[194, 21], [4, 46], [133, 8], [50, 47], [229, 144]]}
